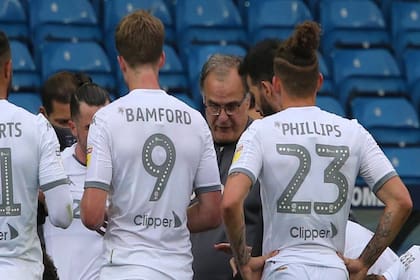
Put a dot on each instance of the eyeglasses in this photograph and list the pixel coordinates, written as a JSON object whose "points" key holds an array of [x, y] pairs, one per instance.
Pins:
{"points": [[230, 108]]}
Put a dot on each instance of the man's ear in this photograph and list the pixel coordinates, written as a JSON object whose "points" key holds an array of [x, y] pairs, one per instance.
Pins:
{"points": [[43, 111], [8, 68], [320, 82], [122, 63], [267, 87], [72, 126], [277, 85], [162, 60]]}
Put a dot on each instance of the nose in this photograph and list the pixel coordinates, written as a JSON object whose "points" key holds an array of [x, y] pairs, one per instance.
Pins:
{"points": [[223, 116]]}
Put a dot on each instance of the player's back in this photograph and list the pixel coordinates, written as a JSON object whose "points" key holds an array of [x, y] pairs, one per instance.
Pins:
{"points": [[21, 142], [309, 165], [157, 145]]}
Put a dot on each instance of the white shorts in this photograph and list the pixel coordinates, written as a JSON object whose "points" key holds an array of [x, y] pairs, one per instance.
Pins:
{"points": [[277, 271]]}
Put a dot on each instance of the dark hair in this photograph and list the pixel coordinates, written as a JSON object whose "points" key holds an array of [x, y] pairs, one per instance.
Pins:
{"points": [[5, 53], [139, 38], [60, 87], [89, 93], [220, 64], [258, 62], [296, 60]]}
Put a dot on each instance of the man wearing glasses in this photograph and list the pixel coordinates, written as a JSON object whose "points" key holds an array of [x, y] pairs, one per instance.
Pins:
{"points": [[226, 103]]}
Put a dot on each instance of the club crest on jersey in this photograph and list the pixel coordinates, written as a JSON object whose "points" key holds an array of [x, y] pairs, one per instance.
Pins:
{"points": [[237, 154], [88, 155]]}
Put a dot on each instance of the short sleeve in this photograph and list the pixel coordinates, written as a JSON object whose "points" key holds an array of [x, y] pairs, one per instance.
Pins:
{"points": [[51, 170], [375, 168], [207, 178], [99, 162], [248, 155]]}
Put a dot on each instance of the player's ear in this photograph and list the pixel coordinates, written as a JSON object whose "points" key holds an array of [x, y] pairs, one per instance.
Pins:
{"points": [[122, 64], [320, 82], [162, 60], [73, 129]]}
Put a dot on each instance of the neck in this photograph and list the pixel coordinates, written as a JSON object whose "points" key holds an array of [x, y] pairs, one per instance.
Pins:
{"points": [[142, 78], [291, 101], [80, 154]]}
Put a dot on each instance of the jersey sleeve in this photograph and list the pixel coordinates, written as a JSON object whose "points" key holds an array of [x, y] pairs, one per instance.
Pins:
{"points": [[99, 164], [375, 168], [207, 178], [51, 170], [248, 155]]}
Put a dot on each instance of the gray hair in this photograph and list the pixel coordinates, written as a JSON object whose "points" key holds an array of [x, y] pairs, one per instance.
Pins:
{"points": [[220, 64]]}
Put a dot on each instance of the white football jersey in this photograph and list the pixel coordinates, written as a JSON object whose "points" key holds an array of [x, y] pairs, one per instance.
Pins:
{"points": [[29, 160], [357, 237], [408, 266], [150, 151], [307, 161], [75, 250]]}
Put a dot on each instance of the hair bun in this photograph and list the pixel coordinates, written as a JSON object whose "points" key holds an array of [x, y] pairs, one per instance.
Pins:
{"points": [[82, 79], [307, 35]]}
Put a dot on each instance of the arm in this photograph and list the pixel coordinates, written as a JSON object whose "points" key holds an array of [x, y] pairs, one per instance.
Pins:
{"points": [[205, 213], [236, 190], [59, 203], [93, 207], [398, 206]]}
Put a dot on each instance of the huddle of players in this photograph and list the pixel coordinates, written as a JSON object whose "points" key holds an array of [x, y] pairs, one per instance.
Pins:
{"points": [[139, 176]]}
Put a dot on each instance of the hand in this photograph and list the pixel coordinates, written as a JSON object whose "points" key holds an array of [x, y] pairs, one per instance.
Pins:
{"points": [[356, 268], [253, 269], [102, 229]]}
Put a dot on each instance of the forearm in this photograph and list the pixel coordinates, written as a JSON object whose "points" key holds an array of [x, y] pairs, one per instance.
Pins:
{"points": [[235, 228], [202, 216], [388, 227]]}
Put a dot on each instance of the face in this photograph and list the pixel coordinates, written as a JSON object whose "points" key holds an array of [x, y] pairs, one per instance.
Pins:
{"points": [[262, 105], [60, 114], [227, 90], [80, 125]]}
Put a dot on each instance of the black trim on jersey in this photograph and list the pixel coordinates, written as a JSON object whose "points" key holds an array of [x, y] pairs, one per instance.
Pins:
{"points": [[201, 190], [97, 185], [244, 171], [54, 184], [383, 180]]}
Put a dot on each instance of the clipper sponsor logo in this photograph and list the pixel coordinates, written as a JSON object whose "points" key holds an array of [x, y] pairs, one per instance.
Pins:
{"points": [[11, 234], [313, 233], [156, 222]]}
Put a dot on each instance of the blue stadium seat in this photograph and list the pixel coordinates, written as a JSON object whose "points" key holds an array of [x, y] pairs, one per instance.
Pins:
{"points": [[186, 98], [115, 10], [330, 104], [327, 87], [62, 20], [198, 56], [14, 20], [391, 120], [208, 22], [87, 57], [264, 20], [406, 161], [172, 76], [405, 25], [25, 74], [31, 101], [352, 23], [366, 72], [411, 58]]}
